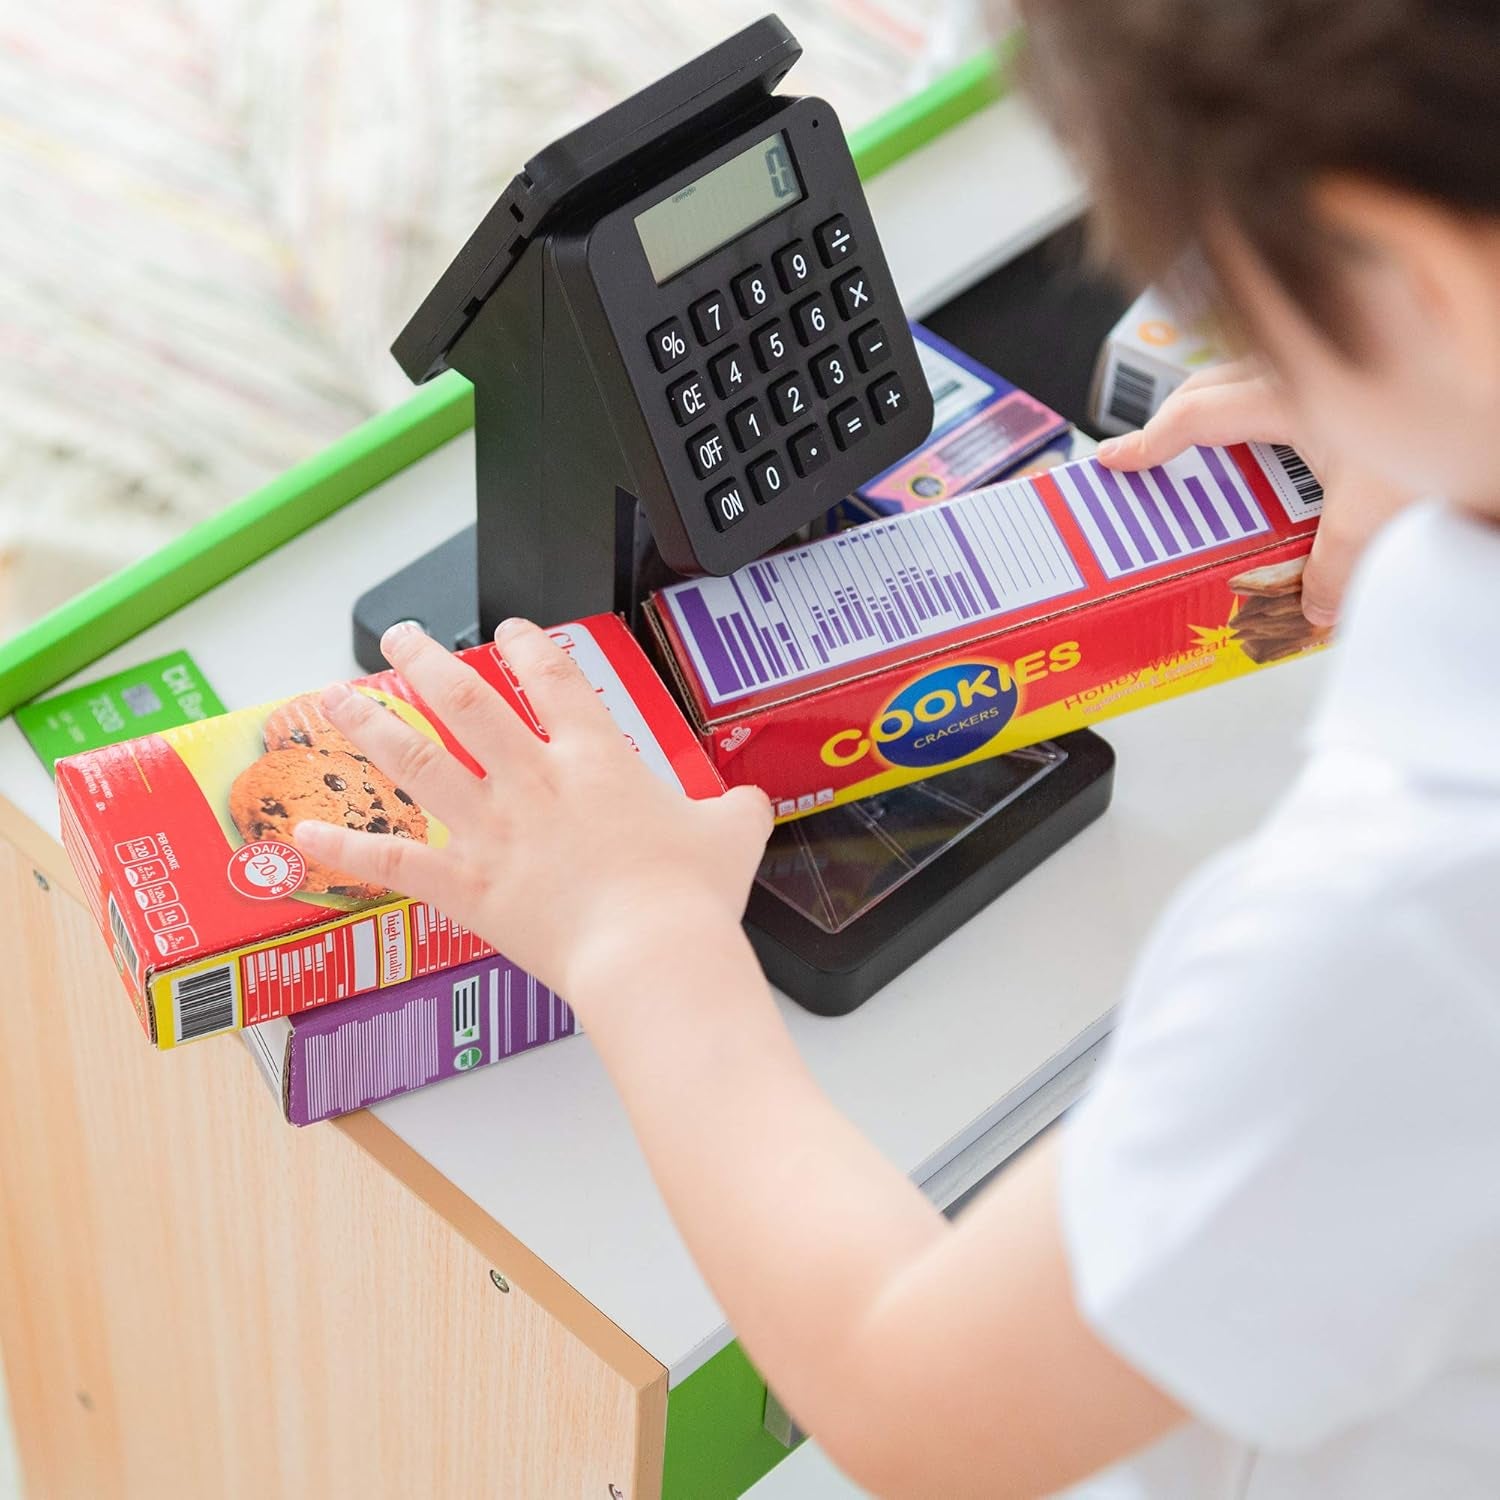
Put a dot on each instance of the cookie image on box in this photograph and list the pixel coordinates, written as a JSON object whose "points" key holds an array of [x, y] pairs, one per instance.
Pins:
{"points": [[1268, 622], [288, 786], [301, 723]]}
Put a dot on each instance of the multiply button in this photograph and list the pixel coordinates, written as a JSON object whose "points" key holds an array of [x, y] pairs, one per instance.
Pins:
{"points": [[834, 239], [711, 317], [852, 293], [888, 398], [668, 344], [688, 398], [726, 504], [871, 348], [849, 423], [707, 451], [809, 451]]}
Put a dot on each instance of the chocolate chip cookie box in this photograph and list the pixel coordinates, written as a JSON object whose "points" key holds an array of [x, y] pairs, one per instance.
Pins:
{"points": [[183, 844], [1002, 618], [326, 1062]]}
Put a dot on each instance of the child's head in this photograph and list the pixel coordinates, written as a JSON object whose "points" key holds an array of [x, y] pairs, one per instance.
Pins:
{"points": [[1328, 172]]}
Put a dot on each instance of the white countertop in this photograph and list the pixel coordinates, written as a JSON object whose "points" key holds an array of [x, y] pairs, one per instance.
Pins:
{"points": [[541, 1142]]}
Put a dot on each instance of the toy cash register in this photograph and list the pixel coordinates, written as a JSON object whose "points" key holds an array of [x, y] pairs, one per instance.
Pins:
{"points": [[684, 343]]}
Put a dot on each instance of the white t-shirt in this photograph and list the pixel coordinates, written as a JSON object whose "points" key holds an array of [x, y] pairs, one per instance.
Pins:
{"points": [[1281, 1199]]}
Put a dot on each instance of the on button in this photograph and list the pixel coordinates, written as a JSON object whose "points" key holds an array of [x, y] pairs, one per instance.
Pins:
{"points": [[726, 505]]}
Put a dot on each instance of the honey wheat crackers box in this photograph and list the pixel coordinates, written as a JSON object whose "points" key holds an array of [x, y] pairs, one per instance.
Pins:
{"points": [[1001, 618], [182, 842]]}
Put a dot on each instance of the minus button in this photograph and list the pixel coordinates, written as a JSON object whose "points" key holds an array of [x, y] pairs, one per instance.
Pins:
{"points": [[871, 347]]}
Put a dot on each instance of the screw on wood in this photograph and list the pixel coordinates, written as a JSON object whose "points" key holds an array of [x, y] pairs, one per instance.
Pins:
{"points": [[616, 1493], [500, 1281], [41, 880]]}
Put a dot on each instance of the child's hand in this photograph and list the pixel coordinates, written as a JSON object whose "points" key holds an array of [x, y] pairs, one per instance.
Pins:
{"points": [[570, 856], [1240, 403]]}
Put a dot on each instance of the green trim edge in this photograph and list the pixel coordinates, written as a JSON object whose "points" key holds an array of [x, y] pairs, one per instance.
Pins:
{"points": [[144, 592], [717, 1443]]}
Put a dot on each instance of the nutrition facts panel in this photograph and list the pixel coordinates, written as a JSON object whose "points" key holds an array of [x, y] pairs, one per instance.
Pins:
{"points": [[883, 584]]}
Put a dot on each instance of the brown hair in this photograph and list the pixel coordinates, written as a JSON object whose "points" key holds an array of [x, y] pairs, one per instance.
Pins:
{"points": [[1191, 113]]}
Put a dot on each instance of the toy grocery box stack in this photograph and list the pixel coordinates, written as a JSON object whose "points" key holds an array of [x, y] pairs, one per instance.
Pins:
{"points": [[932, 639], [182, 843]]}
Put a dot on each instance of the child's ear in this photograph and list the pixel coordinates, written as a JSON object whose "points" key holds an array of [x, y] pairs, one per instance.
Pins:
{"points": [[1426, 278]]}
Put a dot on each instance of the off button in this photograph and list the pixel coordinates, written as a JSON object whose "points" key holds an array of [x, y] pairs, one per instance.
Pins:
{"points": [[726, 505]]}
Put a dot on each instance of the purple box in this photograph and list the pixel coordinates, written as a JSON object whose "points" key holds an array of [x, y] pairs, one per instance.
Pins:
{"points": [[345, 1056]]}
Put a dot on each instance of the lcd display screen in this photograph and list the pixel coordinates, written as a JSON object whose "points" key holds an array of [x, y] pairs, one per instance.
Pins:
{"points": [[721, 205]]}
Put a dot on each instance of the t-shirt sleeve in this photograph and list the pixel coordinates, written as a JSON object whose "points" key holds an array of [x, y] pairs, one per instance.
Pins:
{"points": [[1280, 1198]]}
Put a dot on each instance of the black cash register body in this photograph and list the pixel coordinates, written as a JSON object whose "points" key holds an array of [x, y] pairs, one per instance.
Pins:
{"points": [[680, 315]]}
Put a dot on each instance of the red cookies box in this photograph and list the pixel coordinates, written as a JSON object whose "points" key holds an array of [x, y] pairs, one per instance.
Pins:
{"points": [[182, 841], [908, 646]]}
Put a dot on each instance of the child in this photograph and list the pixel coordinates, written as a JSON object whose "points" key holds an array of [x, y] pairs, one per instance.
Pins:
{"points": [[1262, 1259]]}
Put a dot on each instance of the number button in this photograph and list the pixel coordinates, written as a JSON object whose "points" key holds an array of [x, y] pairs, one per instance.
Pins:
{"points": [[769, 344], [789, 398], [752, 291], [726, 504], [707, 451], [850, 424], [835, 240], [830, 372], [668, 344], [792, 266], [888, 398], [689, 399], [767, 478], [730, 372], [748, 426], [852, 293], [711, 317], [811, 319], [809, 451], [871, 347]]}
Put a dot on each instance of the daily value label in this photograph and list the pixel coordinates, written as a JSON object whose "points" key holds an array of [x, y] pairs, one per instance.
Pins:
{"points": [[159, 694]]}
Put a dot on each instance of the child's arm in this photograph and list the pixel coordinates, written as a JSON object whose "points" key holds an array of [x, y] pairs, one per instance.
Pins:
{"points": [[928, 1358]]}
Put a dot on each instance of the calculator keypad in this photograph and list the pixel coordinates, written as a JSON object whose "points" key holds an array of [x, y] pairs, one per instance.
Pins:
{"points": [[807, 374]]}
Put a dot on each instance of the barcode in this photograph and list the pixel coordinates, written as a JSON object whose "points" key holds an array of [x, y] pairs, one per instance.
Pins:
{"points": [[122, 937], [852, 596], [466, 1011], [204, 1003], [1304, 481], [1132, 396], [1296, 486]]}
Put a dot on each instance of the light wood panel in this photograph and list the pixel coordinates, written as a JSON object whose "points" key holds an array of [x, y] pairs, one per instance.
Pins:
{"points": [[197, 1300]]}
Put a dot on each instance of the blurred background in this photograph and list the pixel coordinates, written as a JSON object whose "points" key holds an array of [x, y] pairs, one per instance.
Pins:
{"points": [[217, 214]]}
